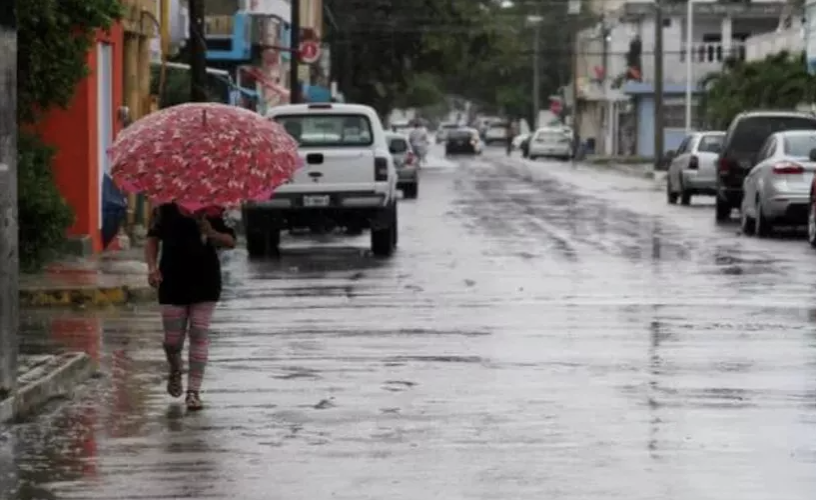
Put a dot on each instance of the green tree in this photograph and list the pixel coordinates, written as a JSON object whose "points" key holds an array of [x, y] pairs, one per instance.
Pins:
{"points": [[379, 47], [422, 90], [384, 51], [55, 37], [780, 81]]}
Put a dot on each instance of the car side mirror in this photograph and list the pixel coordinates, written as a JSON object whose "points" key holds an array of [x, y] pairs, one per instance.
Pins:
{"points": [[669, 156], [812, 155]]}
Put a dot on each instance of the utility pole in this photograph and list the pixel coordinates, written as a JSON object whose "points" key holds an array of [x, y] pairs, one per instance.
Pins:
{"points": [[658, 86], [198, 52], [605, 86], [536, 20], [9, 261], [574, 10], [294, 60]]}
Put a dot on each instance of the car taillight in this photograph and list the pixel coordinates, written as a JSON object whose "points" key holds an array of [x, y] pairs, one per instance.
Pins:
{"points": [[410, 158], [724, 165], [788, 168], [380, 169], [694, 163]]}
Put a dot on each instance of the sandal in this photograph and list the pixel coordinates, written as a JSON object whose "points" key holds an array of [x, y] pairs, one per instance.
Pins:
{"points": [[175, 386], [193, 401]]}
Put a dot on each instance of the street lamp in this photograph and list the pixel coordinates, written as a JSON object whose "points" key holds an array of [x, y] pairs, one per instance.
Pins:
{"points": [[536, 22], [689, 69]]}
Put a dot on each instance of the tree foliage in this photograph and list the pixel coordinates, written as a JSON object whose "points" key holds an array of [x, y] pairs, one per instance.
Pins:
{"points": [[54, 37], [779, 81], [379, 47], [478, 49], [43, 214]]}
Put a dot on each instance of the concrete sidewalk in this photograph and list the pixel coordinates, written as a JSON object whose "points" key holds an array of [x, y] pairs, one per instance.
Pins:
{"points": [[42, 378], [634, 166], [112, 278]]}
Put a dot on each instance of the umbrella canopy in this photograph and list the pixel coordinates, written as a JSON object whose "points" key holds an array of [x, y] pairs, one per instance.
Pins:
{"points": [[203, 154]]}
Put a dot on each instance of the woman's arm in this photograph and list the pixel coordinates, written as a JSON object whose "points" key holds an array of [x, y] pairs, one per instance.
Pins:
{"points": [[219, 233]]}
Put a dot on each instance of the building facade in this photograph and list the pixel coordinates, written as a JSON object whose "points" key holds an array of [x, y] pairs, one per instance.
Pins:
{"points": [[253, 43], [617, 103], [82, 134]]}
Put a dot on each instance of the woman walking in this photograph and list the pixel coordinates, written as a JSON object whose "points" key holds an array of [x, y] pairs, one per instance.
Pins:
{"points": [[188, 277]]}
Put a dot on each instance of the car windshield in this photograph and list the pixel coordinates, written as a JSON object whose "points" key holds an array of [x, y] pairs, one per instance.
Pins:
{"points": [[710, 143], [449, 126], [800, 145], [753, 131], [328, 130], [499, 125], [398, 145], [460, 134]]}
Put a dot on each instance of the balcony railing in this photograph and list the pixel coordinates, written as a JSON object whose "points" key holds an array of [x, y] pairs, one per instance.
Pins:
{"points": [[713, 53], [706, 58]]}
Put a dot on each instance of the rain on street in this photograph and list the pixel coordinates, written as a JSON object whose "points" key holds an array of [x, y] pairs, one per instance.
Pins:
{"points": [[543, 332]]}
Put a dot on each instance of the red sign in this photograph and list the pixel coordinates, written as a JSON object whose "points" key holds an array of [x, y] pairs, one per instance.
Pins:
{"points": [[309, 51]]}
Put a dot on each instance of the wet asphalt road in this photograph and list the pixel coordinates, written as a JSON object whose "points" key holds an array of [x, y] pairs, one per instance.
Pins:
{"points": [[544, 332]]}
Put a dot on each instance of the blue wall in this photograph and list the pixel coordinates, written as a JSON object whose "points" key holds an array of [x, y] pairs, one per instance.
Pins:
{"points": [[241, 50], [672, 137], [643, 96]]}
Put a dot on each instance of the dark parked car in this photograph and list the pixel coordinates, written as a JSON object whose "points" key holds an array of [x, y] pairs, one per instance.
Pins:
{"points": [[743, 139], [463, 141]]}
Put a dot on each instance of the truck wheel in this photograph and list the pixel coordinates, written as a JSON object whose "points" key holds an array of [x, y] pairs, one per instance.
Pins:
{"points": [[384, 239]]}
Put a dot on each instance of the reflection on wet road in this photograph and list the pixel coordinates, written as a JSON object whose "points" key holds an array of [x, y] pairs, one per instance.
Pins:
{"points": [[543, 332]]}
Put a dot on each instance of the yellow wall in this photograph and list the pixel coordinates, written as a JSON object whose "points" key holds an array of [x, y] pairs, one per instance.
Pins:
{"points": [[311, 15]]}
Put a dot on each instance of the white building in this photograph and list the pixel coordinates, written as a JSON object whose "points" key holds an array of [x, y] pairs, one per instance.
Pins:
{"points": [[720, 29]]}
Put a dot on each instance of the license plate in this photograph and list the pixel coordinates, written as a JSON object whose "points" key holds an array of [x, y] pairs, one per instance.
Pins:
{"points": [[316, 201]]}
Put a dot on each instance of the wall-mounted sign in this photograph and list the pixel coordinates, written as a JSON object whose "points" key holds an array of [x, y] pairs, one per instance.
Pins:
{"points": [[309, 51]]}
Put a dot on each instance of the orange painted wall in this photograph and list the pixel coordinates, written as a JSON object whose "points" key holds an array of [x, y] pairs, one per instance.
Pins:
{"points": [[74, 132]]}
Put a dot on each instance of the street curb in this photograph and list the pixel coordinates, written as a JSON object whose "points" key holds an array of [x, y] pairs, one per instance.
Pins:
{"points": [[59, 378], [93, 297]]}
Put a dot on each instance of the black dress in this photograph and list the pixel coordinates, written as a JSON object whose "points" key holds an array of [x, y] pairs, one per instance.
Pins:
{"points": [[190, 268]]}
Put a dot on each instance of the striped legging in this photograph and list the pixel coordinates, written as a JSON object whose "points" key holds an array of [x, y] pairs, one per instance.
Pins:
{"points": [[192, 320]]}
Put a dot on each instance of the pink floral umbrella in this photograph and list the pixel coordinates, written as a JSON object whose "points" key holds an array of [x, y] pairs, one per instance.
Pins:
{"points": [[201, 155]]}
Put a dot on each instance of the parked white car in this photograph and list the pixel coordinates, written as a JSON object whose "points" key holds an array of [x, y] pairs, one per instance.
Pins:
{"points": [[406, 163], [443, 131], [777, 189], [693, 167], [550, 142], [348, 179], [496, 132]]}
